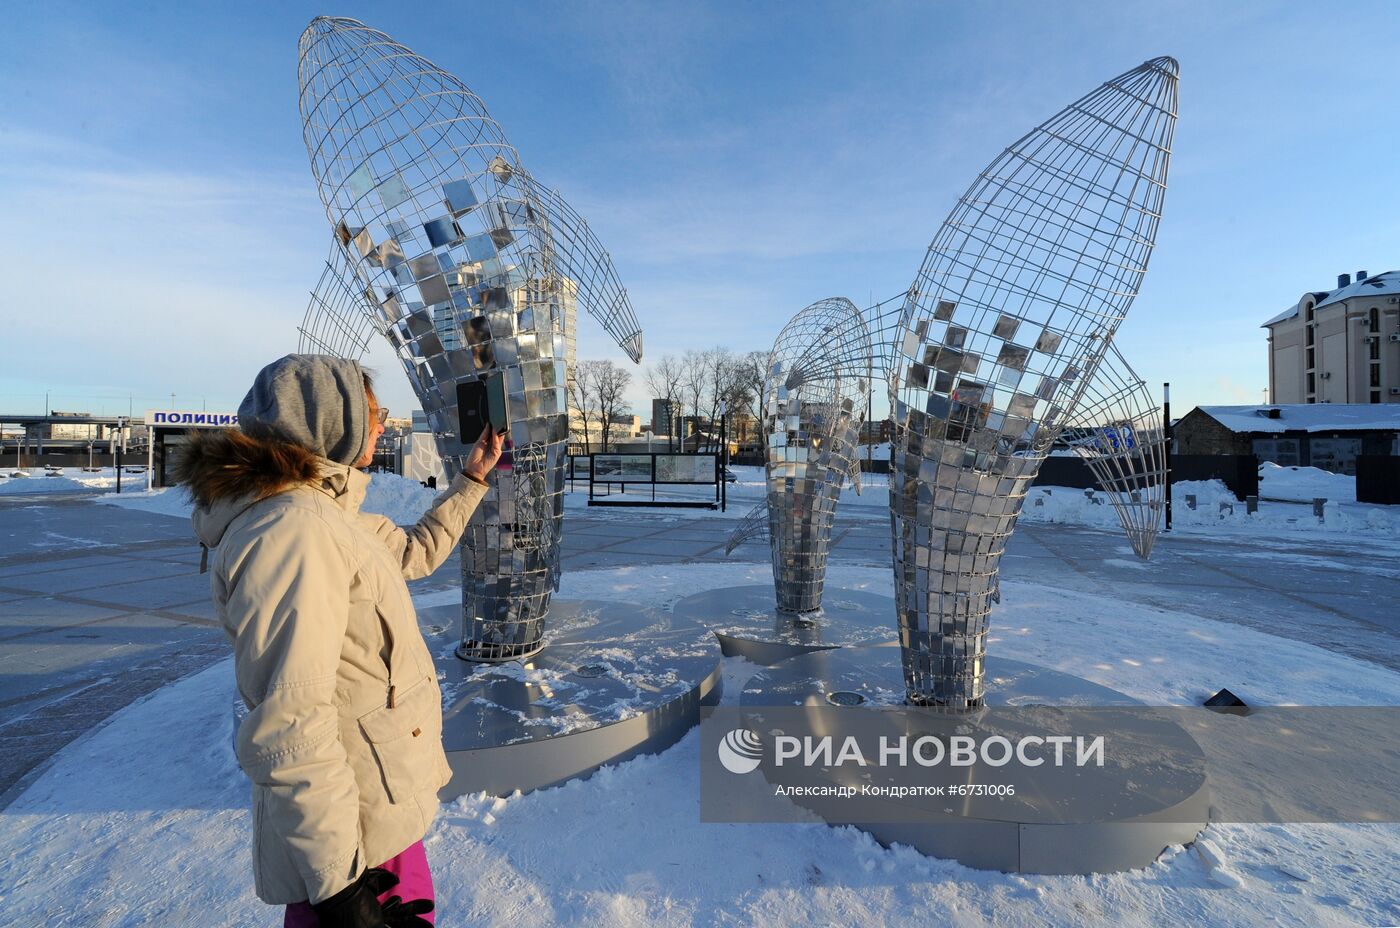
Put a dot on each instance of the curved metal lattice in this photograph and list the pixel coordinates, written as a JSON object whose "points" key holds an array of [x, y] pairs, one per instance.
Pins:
{"points": [[1117, 430], [588, 269], [754, 524], [1022, 286], [425, 195], [340, 317], [813, 406]]}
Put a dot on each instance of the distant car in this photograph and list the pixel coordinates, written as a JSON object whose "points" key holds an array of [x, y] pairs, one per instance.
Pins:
{"points": [[729, 476]]}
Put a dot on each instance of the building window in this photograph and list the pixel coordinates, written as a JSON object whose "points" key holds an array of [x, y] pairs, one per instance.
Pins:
{"points": [[1375, 349], [1375, 375], [1312, 382], [1309, 335], [1375, 319], [1375, 396], [1312, 357]]}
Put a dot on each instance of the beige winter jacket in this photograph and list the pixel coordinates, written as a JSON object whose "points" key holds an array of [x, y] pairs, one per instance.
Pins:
{"points": [[343, 741]]}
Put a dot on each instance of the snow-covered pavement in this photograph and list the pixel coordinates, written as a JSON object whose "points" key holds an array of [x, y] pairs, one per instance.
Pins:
{"points": [[143, 820], [143, 823]]}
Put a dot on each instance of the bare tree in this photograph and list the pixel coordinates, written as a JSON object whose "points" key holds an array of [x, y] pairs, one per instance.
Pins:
{"points": [[663, 379], [609, 384], [753, 370], [738, 393], [581, 400], [694, 380]]}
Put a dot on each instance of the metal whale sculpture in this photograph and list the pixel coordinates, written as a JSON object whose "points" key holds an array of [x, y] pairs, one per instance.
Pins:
{"points": [[468, 266], [812, 409], [1006, 323]]}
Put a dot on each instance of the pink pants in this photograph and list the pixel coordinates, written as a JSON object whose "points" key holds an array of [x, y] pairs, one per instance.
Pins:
{"points": [[415, 882]]}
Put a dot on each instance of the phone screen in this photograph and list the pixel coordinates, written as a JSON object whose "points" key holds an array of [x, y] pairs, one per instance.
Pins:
{"points": [[496, 403], [471, 411]]}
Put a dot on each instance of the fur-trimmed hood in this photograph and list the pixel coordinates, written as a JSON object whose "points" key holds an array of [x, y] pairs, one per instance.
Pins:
{"points": [[227, 470]]}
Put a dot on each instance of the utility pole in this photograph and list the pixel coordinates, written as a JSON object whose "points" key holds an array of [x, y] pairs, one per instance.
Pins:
{"points": [[723, 456], [1167, 446]]}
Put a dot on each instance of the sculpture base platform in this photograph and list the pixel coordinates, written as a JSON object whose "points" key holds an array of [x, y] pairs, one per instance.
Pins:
{"points": [[614, 681], [1046, 829], [748, 624]]}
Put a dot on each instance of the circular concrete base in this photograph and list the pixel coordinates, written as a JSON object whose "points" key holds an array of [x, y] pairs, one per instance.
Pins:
{"points": [[749, 625], [1077, 821], [613, 681]]}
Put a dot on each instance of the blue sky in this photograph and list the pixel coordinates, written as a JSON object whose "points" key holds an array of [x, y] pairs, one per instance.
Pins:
{"points": [[740, 161]]}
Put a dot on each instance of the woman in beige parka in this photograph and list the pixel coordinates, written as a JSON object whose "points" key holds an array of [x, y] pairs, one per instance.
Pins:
{"points": [[342, 742]]}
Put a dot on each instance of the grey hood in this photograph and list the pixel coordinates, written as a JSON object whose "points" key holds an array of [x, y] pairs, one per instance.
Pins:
{"points": [[315, 401]]}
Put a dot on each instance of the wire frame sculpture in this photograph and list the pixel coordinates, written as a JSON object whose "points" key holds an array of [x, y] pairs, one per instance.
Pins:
{"points": [[341, 318], [813, 406], [1019, 292], [1118, 431], [442, 231]]}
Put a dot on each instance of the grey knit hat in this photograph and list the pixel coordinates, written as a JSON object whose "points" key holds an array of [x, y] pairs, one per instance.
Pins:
{"points": [[314, 400]]}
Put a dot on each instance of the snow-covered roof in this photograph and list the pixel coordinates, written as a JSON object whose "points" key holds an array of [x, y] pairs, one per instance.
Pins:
{"points": [[1307, 417], [1288, 313], [1375, 285]]}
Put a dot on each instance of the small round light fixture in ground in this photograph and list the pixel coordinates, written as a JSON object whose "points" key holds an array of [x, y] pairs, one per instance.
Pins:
{"points": [[844, 698]]}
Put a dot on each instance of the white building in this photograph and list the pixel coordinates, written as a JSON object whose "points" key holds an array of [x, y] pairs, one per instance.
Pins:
{"points": [[1339, 346]]}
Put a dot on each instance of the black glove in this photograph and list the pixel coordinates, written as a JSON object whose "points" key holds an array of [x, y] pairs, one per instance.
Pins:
{"points": [[357, 905], [400, 914]]}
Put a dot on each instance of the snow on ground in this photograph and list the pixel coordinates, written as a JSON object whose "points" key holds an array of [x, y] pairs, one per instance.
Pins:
{"points": [[1304, 484], [144, 822], [71, 479], [1218, 512], [404, 501]]}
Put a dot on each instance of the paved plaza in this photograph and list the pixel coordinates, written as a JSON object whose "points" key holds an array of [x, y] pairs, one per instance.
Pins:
{"points": [[100, 606]]}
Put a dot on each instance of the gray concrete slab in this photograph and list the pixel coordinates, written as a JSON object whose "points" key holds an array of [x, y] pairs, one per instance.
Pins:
{"points": [[48, 563], [190, 588], [89, 577], [23, 615]]}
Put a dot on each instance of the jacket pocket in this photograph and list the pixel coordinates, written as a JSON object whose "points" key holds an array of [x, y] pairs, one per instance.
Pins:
{"points": [[405, 740]]}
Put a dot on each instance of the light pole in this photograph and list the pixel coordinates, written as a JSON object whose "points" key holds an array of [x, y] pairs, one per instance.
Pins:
{"points": [[723, 456], [117, 447], [1167, 449]]}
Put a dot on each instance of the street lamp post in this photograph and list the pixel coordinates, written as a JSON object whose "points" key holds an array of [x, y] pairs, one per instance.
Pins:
{"points": [[723, 456], [120, 446]]}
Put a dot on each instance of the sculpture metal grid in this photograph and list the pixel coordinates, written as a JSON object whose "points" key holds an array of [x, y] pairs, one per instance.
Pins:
{"points": [[814, 401], [442, 229], [1118, 431], [1023, 285], [341, 318]]}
